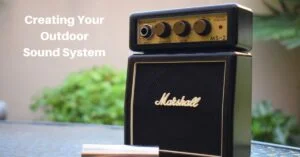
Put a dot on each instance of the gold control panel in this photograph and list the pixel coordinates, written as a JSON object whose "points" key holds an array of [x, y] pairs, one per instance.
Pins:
{"points": [[181, 29]]}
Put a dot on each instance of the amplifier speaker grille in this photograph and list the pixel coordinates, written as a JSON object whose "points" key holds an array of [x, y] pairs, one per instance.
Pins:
{"points": [[204, 130]]}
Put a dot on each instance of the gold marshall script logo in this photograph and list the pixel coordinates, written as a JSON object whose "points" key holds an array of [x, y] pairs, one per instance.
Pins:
{"points": [[165, 101]]}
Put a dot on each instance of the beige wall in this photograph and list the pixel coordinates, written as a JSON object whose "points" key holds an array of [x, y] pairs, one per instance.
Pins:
{"points": [[276, 75]]}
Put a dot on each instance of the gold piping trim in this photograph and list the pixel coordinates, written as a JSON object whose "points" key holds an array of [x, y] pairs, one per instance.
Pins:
{"points": [[186, 153], [224, 81], [131, 105], [132, 97]]}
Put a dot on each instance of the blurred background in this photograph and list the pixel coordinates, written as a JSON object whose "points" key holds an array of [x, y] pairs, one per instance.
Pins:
{"points": [[60, 89]]}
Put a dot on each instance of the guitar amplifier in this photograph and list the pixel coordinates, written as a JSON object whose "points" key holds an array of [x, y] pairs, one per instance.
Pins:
{"points": [[186, 102]]}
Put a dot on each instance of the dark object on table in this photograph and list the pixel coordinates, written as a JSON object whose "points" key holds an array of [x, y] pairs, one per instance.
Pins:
{"points": [[65, 140], [2, 110]]}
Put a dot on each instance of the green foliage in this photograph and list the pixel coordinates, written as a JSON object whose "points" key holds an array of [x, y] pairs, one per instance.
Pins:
{"points": [[91, 96], [272, 125], [282, 25]]}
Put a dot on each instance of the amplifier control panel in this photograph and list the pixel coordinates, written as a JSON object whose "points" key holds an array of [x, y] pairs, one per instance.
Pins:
{"points": [[191, 28], [222, 28]]}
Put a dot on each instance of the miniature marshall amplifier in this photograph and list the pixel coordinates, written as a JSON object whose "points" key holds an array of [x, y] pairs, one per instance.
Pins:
{"points": [[188, 102]]}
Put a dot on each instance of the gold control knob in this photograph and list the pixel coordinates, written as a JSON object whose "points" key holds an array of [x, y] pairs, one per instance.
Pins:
{"points": [[162, 29], [182, 28], [202, 27]]}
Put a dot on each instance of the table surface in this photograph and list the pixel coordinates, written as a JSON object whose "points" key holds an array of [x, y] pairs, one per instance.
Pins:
{"points": [[43, 139]]}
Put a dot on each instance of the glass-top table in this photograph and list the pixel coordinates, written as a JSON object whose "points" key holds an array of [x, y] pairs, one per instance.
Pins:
{"points": [[43, 139]]}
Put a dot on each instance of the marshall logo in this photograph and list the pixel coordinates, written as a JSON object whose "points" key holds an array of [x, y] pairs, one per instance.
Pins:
{"points": [[166, 101]]}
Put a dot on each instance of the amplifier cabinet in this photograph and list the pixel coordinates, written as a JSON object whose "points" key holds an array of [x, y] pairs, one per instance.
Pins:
{"points": [[190, 104]]}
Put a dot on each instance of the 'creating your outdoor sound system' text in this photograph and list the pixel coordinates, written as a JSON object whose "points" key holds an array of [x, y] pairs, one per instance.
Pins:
{"points": [[63, 36]]}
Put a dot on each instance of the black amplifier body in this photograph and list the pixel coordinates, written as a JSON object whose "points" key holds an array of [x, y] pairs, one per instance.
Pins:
{"points": [[187, 102]]}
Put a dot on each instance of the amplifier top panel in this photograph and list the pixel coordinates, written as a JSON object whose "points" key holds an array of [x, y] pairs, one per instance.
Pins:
{"points": [[203, 29]]}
